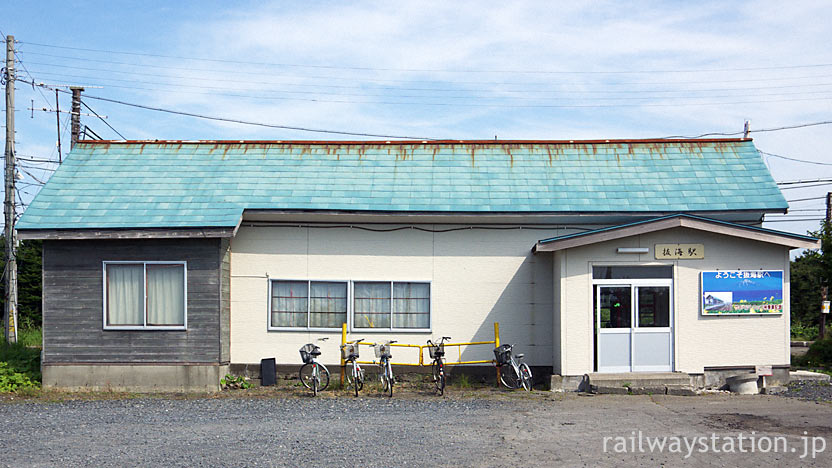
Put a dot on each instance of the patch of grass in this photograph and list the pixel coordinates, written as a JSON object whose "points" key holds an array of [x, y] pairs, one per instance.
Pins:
{"points": [[31, 337], [19, 367], [463, 381], [801, 332]]}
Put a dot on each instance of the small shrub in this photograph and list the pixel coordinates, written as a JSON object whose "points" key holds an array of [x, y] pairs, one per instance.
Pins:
{"points": [[19, 367], [11, 380], [801, 332], [820, 354], [462, 381], [232, 382]]}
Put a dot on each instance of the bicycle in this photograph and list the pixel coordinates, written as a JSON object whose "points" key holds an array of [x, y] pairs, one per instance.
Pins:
{"points": [[355, 377], [313, 374], [437, 353], [512, 374], [386, 369]]}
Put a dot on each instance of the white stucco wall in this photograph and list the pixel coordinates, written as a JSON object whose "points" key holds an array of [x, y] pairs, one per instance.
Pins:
{"points": [[699, 341], [478, 277]]}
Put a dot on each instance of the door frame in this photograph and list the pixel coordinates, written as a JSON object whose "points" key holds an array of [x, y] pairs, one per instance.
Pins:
{"points": [[633, 284]]}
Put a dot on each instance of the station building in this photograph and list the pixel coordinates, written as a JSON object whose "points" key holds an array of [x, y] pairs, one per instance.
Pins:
{"points": [[168, 263]]}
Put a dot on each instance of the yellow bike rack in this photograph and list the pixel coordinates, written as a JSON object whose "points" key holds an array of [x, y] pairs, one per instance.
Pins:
{"points": [[459, 361]]}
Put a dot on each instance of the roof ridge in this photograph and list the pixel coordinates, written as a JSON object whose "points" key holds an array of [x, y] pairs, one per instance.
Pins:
{"points": [[417, 142]]}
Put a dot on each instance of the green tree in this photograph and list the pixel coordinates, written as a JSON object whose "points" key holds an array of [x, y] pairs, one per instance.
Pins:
{"points": [[809, 273], [806, 273], [29, 283]]}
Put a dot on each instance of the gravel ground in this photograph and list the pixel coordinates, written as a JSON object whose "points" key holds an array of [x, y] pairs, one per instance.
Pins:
{"points": [[809, 390], [472, 428]]}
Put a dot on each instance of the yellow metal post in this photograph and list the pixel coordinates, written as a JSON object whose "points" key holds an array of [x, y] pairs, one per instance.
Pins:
{"points": [[497, 345], [343, 342]]}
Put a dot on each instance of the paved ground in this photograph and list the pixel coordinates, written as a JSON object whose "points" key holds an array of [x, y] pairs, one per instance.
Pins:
{"points": [[467, 428]]}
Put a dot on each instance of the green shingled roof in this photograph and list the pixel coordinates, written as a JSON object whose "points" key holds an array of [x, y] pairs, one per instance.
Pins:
{"points": [[209, 184]]}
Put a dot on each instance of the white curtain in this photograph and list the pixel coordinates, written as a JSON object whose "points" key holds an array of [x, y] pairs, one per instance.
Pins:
{"points": [[372, 305], [411, 305], [165, 295], [328, 305], [289, 303], [125, 294]]}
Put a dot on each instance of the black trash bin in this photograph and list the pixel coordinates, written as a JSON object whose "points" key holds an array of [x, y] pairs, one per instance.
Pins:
{"points": [[268, 373]]}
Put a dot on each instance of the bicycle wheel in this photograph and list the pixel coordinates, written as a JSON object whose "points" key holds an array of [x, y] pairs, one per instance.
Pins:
{"points": [[305, 375], [438, 371], [354, 377], [526, 377], [389, 377], [360, 373], [509, 377], [323, 381]]}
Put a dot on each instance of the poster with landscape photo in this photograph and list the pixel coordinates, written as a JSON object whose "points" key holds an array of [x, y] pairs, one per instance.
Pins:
{"points": [[742, 292]]}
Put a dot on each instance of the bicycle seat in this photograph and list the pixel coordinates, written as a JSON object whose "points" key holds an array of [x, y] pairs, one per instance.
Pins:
{"points": [[316, 352], [519, 356]]}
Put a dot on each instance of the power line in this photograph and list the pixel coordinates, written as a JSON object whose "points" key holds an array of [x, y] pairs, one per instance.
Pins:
{"points": [[496, 105], [791, 220], [762, 130], [808, 181], [399, 88], [799, 160], [664, 100], [101, 119], [526, 95], [806, 199], [421, 70], [341, 77], [246, 122], [806, 186]]}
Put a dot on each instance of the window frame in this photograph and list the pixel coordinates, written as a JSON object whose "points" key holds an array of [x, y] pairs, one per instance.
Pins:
{"points": [[309, 282], [389, 329], [145, 326]]}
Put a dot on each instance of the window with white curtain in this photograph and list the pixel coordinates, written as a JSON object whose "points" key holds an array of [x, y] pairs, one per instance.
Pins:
{"points": [[308, 304], [144, 295], [392, 305]]}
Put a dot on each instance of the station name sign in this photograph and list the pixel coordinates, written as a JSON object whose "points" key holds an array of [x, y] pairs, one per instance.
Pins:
{"points": [[679, 251]]}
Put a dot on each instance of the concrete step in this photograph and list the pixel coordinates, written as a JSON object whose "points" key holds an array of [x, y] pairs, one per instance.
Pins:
{"points": [[799, 375], [639, 379]]}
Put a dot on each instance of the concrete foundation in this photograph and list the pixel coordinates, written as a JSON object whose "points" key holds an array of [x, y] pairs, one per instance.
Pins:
{"points": [[662, 382], [715, 377], [134, 378]]}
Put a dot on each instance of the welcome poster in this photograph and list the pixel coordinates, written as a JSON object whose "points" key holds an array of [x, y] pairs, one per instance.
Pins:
{"points": [[742, 292]]}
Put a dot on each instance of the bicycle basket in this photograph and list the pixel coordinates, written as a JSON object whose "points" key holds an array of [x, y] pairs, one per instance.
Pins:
{"points": [[382, 350], [502, 354], [308, 352], [349, 350], [435, 350]]}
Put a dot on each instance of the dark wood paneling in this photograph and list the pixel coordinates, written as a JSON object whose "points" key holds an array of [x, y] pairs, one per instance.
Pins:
{"points": [[225, 301], [73, 303]]}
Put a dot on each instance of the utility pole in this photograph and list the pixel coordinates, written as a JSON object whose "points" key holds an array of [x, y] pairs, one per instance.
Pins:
{"points": [[10, 309], [745, 129], [58, 121], [76, 114], [824, 291]]}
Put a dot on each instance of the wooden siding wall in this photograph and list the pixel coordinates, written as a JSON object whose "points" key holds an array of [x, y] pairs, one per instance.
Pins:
{"points": [[73, 303], [225, 301]]}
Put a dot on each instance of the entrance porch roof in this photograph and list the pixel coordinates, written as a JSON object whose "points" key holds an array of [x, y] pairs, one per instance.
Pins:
{"points": [[788, 239]]}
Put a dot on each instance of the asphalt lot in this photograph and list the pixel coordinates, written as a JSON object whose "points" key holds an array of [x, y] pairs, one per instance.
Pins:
{"points": [[482, 427]]}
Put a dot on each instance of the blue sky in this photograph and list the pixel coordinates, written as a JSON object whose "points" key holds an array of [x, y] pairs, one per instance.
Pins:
{"points": [[517, 70]]}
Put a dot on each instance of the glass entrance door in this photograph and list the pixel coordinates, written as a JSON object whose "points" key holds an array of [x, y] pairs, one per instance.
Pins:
{"points": [[652, 340], [633, 327], [614, 328]]}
